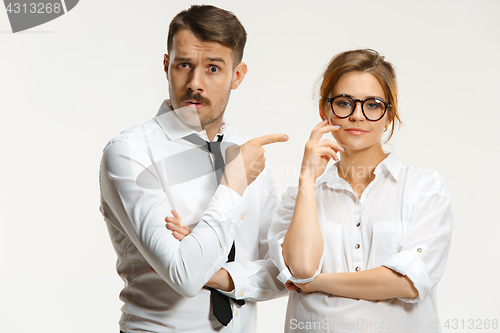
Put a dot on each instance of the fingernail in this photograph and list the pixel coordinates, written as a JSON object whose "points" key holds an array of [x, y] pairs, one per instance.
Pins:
{"points": [[285, 138], [336, 126]]}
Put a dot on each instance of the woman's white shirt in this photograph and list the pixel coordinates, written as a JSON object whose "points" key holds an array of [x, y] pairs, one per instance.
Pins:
{"points": [[403, 221]]}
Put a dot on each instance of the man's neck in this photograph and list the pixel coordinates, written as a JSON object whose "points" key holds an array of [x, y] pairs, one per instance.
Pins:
{"points": [[213, 128], [211, 134]]}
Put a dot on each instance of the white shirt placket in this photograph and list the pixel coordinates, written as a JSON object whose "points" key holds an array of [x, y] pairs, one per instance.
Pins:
{"points": [[357, 249]]}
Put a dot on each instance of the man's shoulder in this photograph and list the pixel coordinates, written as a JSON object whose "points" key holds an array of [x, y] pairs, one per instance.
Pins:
{"points": [[235, 136], [137, 135]]}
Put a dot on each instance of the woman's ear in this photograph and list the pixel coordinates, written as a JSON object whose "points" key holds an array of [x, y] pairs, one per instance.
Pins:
{"points": [[322, 113], [388, 121]]}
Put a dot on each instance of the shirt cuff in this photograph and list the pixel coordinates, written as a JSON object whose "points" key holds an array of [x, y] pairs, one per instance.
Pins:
{"points": [[409, 263], [239, 280], [247, 286], [284, 273]]}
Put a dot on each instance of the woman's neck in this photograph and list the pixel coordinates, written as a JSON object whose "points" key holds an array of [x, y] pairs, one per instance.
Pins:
{"points": [[357, 167]]}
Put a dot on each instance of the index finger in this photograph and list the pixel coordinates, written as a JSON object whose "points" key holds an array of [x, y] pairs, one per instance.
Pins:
{"points": [[175, 214], [322, 128], [271, 138]]}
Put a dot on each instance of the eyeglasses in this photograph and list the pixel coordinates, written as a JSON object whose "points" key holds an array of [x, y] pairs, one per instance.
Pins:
{"points": [[373, 108]]}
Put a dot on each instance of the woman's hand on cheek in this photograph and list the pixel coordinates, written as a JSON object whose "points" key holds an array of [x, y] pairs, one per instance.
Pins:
{"points": [[318, 152]]}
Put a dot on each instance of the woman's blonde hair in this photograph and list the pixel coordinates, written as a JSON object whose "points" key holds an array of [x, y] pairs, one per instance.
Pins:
{"points": [[367, 61]]}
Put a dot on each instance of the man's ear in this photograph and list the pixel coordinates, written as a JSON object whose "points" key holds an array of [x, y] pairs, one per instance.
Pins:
{"points": [[239, 73], [165, 64]]}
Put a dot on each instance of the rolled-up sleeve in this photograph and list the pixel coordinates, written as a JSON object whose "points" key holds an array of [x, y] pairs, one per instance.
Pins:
{"points": [[276, 236], [423, 250], [257, 280], [140, 212], [254, 280]]}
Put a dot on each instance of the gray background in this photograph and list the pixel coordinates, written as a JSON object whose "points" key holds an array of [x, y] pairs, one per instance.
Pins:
{"points": [[68, 86]]}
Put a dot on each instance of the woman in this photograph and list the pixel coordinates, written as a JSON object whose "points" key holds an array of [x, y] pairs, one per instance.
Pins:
{"points": [[365, 242]]}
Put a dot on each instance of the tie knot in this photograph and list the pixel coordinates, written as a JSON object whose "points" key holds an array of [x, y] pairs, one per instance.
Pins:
{"points": [[195, 139], [214, 149]]}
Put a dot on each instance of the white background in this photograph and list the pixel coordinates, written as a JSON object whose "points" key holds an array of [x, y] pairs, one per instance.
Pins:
{"points": [[68, 86]]}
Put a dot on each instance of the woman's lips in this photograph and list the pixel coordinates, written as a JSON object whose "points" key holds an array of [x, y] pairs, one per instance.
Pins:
{"points": [[356, 131]]}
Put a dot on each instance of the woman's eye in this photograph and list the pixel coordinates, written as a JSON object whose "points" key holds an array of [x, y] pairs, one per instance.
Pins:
{"points": [[344, 104], [374, 106]]}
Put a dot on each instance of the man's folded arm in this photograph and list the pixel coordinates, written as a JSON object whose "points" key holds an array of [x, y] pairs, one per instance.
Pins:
{"points": [[185, 265], [257, 280]]}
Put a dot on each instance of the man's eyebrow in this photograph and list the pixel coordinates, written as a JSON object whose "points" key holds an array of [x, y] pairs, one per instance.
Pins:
{"points": [[217, 60], [181, 59], [209, 59]]}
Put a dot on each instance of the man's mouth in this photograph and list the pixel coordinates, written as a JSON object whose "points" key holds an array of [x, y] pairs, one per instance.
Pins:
{"points": [[194, 104]]}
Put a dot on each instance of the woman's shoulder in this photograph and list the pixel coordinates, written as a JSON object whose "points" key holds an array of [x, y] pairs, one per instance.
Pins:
{"points": [[290, 194], [425, 178]]}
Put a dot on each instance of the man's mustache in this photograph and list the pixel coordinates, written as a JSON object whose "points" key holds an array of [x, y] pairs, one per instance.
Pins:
{"points": [[195, 96]]}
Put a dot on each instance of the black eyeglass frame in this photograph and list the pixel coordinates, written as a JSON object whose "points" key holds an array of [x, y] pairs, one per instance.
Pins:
{"points": [[387, 105]]}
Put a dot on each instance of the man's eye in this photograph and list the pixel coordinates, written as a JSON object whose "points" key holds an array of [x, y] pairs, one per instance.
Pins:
{"points": [[213, 69], [184, 65]]}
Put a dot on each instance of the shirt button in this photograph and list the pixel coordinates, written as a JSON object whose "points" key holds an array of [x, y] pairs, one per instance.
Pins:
{"points": [[419, 250], [356, 246], [226, 252], [242, 293], [236, 313], [242, 216], [358, 269], [358, 224], [264, 293]]}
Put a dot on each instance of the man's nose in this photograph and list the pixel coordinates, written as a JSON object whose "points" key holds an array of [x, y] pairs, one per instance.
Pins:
{"points": [[195, 82]]}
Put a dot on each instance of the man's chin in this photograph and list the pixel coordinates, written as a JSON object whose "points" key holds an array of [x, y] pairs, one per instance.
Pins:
{"points": [[189, 116]]}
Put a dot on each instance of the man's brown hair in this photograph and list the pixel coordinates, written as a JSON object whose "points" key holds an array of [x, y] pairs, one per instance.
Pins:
{"points": [[209, 23]]}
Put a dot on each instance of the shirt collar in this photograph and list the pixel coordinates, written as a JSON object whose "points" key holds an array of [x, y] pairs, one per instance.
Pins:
{"points": [[392, 164], [175, 128], [331, 177]]}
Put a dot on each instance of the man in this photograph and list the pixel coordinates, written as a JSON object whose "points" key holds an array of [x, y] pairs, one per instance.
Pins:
{"points": [[173, 163]]}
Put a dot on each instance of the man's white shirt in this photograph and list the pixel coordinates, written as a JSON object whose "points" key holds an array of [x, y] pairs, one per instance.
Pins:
{"points": [[139, 176]]}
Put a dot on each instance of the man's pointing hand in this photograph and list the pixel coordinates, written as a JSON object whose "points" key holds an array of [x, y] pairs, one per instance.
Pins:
{"points": [[247, 161]]}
